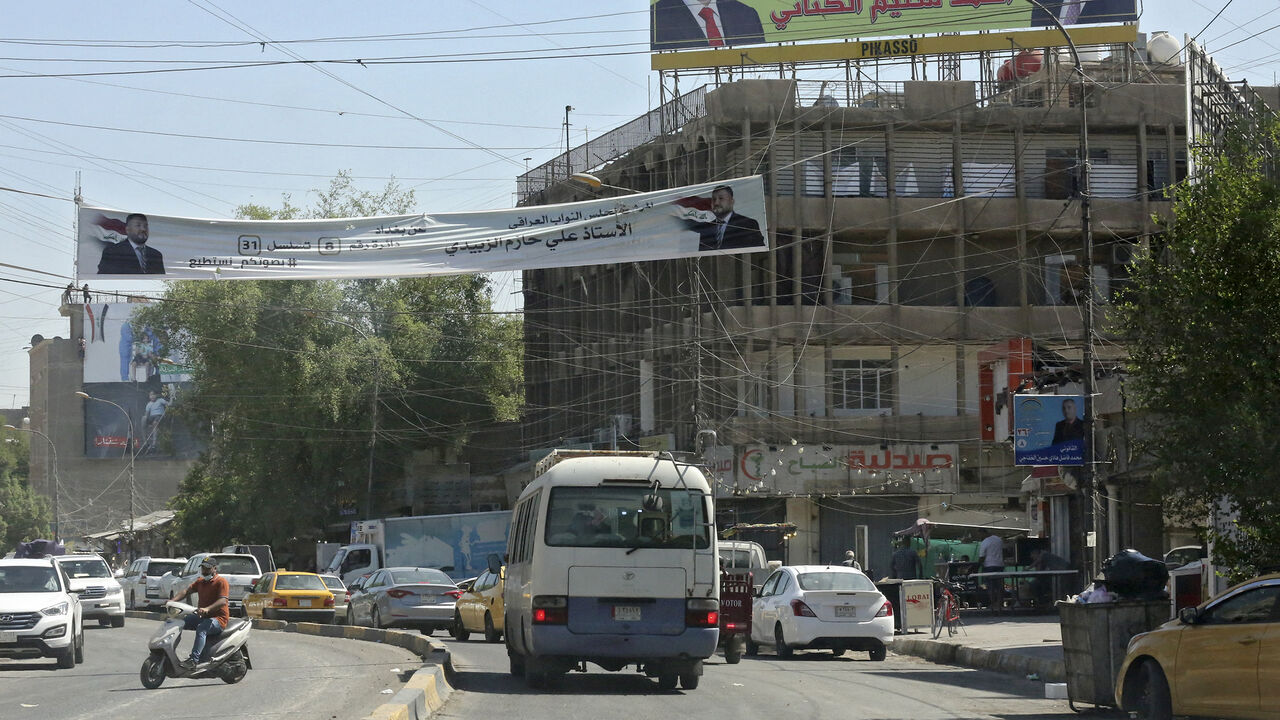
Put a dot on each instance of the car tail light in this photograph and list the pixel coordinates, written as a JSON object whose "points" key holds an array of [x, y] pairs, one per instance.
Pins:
{"points": [[398, 593], [348, 596], [702, 612], [550, 610], [885, 611], [799, 609], [455, 594], [328, 602], [279, 602]]}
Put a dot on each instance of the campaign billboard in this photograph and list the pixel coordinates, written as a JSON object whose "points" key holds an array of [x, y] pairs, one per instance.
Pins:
{"points": [[133, 379], [703, 24], [726, 217], [1049, 430]]}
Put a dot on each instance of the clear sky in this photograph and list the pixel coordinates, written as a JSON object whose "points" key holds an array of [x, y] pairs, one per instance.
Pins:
{"points": [[199, 124]]}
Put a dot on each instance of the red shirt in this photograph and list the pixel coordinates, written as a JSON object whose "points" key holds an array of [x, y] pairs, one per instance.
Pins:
{"points": [[209, 591]]}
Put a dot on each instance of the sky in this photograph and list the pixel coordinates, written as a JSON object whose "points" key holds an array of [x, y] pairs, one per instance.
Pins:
{"points": [[195, 107]]}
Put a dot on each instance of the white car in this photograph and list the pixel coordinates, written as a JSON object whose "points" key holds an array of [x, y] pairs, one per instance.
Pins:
{"points": [[89, 577], [833, 607], [141, 581], [341, 596], [240, 569], [39, 615]]}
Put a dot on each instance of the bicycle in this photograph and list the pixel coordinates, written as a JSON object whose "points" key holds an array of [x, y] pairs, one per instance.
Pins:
{"points": [[947, 612]]}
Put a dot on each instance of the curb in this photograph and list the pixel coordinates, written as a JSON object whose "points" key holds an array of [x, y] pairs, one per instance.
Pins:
{"points": [[1009, 663], [421, 696]]}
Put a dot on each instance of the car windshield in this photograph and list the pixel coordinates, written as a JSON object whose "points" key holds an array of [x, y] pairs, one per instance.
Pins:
{"points": [[25, 579], [627, 517], [333, 582], [237, 566], [299, 582], [420, 575], [160, 568], [86, 568], [841, 581]]}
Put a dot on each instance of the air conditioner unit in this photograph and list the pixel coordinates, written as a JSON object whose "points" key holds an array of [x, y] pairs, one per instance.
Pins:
{"points": [[1123, 253]]}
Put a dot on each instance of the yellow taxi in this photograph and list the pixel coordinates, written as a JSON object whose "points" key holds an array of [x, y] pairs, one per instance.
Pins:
{"points": [[285, 595], [479, 609], [1221, 659]]}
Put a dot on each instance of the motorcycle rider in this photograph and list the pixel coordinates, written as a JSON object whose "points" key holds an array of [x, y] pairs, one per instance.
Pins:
{"points": [[212, 612]]}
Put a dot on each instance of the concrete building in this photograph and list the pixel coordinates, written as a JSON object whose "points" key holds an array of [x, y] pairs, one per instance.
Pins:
{"points": [[926, 262]]}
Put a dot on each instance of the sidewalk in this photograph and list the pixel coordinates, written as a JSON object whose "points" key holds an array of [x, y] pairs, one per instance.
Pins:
{"points": [[1012, 644]]}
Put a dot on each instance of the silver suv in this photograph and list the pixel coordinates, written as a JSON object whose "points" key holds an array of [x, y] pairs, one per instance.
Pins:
{"points": [[141, 582], [101, 597], [39, 615]]}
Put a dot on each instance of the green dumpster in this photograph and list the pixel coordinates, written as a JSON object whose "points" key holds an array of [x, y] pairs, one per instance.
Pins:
{"points": [[1094, 639]]}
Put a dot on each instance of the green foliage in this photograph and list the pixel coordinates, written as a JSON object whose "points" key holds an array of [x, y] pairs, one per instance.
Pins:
{"points": [[1205, 351], [24, 514], [286, 372]]}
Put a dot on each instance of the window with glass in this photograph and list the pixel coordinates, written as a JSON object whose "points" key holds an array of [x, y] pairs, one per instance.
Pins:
{"points": [[630, 516], [861, 384], [1252, 606], [299, 582], [86, 568], [28, 579], [419, 575], [839, 581], [237, 566]]}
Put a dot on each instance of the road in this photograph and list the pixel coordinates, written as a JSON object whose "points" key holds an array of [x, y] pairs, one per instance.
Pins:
{"points": [[293, 676], [811, 685]]}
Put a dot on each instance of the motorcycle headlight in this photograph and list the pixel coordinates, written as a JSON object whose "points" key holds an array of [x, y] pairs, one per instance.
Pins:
{"points": [[59, 609]]}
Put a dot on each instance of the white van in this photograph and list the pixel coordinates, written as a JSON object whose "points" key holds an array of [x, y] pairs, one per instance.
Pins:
{"points": [[612, 560]]}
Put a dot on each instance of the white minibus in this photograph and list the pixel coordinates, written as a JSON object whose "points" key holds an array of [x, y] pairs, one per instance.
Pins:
{"points": [[611, 560]]}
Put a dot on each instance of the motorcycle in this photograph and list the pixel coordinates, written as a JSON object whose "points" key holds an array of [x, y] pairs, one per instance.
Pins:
{"points": [[228, 653]]}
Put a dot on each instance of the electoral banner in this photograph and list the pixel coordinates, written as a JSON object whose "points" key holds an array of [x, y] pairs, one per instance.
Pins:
{"points": [[717, 218], [1048, 430], [700, 24]]}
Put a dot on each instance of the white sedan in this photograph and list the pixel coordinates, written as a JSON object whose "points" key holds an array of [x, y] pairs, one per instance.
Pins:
{"points": [[831, 607]]}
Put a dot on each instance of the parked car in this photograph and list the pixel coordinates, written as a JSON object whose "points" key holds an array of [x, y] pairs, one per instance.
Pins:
{"points": [[286, 595], [1184, 555], [422, 598], [480, 609], [141, 581], [39, 615], [240, 570], [341, 595], [90, 578], [1220, 659], [801, 607]]}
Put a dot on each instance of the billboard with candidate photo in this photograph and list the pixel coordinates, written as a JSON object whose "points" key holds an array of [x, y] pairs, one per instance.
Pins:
{"points": [[1049, 430], [707, 24]]}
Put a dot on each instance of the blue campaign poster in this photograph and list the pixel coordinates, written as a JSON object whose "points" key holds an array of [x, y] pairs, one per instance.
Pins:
{"points": [[1048, 430]]}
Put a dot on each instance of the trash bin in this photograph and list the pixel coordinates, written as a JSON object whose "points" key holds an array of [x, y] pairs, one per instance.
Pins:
{"points": [[1094, 639], [893, 592]]}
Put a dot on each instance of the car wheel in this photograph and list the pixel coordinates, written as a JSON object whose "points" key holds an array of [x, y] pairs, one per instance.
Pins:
{"points": [[459, 631], [515, 664], [780, 643], [1152, 699], [733, 650], [351, 618], [668, 680], [837, 652], [879, 654], [104, 622], [79, 643], [133, 600], [374, 618], [491, 633], [117, 621], [67, 658], [753, 649]]}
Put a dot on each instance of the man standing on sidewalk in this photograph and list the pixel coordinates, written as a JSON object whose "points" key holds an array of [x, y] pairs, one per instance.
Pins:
{"points": [[991, 555]]}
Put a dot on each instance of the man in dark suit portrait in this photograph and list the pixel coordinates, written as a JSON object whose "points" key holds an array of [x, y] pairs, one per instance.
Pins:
{"points": [[675, 24], [1069, 427], [132, 256], [730, 230], [1083, 12]]}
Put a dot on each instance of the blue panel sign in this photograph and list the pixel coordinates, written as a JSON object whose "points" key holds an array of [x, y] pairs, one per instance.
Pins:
{"points": [[1048, 430]]}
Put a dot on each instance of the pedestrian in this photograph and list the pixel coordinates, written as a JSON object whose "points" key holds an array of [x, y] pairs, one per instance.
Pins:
{"points": [[86, 293], [905, 564], [850, 560], [66, 294], [991, 555]]}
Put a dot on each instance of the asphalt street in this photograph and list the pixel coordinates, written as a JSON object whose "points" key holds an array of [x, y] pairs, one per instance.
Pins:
{"points": [[293, 676], [811, 685]]}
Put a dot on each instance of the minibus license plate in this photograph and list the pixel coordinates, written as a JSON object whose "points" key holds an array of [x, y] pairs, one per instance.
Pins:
{"points": [[846, 611], [626, 613]]}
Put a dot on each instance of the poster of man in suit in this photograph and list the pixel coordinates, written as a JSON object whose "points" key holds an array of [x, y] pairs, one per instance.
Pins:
{"points": [[678, 24]]}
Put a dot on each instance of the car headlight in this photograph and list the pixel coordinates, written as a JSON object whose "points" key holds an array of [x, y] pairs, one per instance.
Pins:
{"points": [[114, 591], [59, 609]]}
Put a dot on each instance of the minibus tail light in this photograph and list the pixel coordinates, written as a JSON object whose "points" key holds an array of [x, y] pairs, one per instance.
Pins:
{"points": [[702, 613], [550, 610]]}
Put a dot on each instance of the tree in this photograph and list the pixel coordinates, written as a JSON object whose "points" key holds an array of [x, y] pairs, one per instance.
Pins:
{"points": [[1205, 350], [287, 373], [24, 514]]}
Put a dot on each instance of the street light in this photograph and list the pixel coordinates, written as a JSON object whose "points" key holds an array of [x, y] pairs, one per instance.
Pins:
{"points": [[133, 455], [596, 183], [56, 483]]}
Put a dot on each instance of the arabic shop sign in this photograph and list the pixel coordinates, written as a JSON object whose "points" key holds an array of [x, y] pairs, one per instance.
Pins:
{"points": [[673, 25], [804, 469], [675, 223]]}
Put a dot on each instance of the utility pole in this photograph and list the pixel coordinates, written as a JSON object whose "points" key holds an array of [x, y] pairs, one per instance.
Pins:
{"points": [[1087, 483], [56, 483], [568, 162]]}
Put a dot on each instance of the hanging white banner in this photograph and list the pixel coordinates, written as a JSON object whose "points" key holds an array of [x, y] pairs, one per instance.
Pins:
{"points": [[714, 218]]}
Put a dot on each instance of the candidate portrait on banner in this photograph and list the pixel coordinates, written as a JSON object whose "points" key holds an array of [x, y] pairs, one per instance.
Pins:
{"points": [[1083, 12], [130, 254], [1049, 430], [679, 24]]}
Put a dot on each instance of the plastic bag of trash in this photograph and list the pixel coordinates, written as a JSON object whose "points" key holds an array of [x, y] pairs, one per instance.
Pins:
{"points": [[1096, 593], [1132, 575]]}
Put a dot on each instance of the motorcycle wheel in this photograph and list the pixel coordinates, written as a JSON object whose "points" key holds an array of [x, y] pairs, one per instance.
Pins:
{"points": [[153, 672], [233, 672], [733, 649]]}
